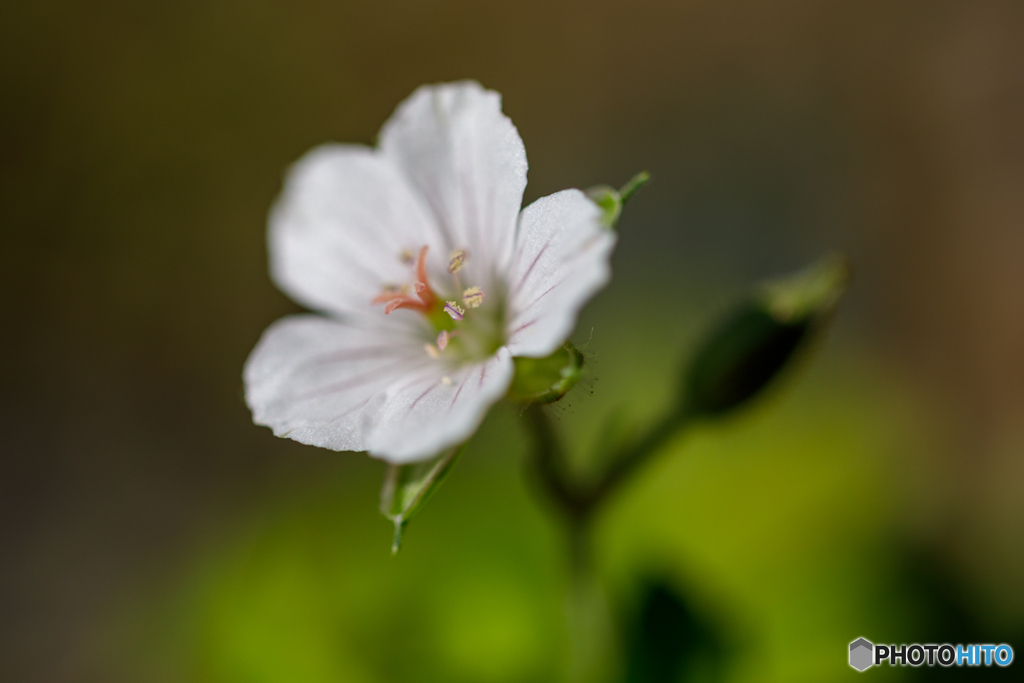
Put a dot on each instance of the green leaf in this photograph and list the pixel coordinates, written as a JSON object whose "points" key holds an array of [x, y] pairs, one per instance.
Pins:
{"points": [[761, 337], [408, 487]]}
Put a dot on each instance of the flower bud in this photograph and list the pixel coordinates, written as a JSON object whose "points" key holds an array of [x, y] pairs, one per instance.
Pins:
{"points": [[407, 487], [545, 380], [610, 200], [761, 337]]}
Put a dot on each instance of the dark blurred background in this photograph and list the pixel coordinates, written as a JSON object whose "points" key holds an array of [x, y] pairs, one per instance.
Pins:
{"points": [[150, 532]]}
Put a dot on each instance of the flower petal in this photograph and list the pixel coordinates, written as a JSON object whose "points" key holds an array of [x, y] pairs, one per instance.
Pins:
{"points": [[561, 260], [310, 378], [347, 388], [420, 418], [341, 225], [469, 163]]}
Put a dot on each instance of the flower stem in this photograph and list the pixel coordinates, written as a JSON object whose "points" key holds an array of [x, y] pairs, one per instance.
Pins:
{"points": [[590, 624], [577, 503], [634, 184]]}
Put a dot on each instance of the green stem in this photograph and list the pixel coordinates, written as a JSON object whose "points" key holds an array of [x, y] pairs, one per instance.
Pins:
{"points": [[549, 462], [634, 184], [579, 504], [630, 459], [588, 616]]}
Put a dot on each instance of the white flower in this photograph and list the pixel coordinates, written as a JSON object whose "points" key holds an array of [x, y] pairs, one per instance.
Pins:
{"points": [[429, 276]]}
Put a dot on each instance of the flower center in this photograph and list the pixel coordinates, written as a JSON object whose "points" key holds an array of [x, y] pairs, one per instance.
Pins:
{"points": [[467, 325]]}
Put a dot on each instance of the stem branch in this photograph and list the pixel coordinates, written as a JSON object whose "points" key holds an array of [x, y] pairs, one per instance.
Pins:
{"points": [[579, 503]]}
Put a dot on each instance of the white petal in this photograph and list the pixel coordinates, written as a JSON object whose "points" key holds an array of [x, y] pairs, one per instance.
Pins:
{"points": [[347, 388], [419, 419], [469, 163], [561, 260], [310, 378], [340, 226]]}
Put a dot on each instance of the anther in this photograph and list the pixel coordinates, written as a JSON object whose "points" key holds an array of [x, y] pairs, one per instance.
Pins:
{"points": [[456, 311], [442, 339], [473, 297], [456, 261], [407, 257], [431, 350]]}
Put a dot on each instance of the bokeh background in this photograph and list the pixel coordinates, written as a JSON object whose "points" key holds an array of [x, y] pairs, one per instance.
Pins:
{"points": [[150, 532]]}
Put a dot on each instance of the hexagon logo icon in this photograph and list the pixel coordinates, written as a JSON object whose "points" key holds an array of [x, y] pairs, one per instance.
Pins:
{"points": [[861, 654]]}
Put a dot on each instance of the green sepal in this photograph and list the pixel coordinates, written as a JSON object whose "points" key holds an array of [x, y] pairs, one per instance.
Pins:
{"points": [[809, 294], [545, 380], [761, 337], [408, 487]]}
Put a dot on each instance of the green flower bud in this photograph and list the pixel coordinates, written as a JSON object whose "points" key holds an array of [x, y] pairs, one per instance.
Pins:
{"points": [[545, 380], [407, 487], [608, 200], [761, 337], [611, 200]]}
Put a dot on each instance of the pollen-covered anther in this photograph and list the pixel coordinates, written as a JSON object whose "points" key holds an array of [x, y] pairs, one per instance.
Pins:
{"points": [[456, 261], [432, 350], [442, 339], [473, 297], [456, 311]]}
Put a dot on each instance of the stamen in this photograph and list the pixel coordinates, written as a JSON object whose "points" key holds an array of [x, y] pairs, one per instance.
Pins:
{"points": [[407, 257], [432, 351], [473, 297], [442, 339], [456, 261], [456, 311]]}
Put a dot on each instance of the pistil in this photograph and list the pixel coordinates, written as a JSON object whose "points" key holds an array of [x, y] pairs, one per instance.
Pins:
{"points": [[425, 296]]}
